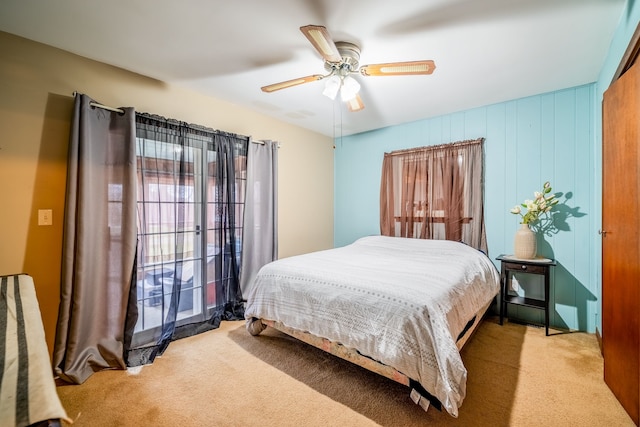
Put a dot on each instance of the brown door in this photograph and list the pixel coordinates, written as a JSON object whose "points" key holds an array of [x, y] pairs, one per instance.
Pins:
{"points": [[621, 239]]}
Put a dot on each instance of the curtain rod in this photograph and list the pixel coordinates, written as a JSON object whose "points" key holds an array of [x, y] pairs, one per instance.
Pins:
{"points": [[256, 141], [104, 107], [436, 147], [121, 111]]}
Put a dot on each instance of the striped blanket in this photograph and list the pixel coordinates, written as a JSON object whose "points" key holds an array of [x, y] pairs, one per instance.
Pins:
{"points": [[27, 388]]}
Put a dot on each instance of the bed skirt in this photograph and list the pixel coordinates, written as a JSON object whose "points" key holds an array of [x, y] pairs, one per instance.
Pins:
{"points": [[418, 394]]}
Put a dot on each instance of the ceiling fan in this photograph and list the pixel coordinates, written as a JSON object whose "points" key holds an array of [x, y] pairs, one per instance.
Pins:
{"points": [[341, 59]]}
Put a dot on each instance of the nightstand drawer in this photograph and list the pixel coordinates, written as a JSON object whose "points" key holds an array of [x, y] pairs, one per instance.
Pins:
{"points": [[525, 268]]}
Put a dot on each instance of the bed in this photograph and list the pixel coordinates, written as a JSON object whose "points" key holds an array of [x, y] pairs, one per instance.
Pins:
{"points": [[400, 307], [28, 394]]}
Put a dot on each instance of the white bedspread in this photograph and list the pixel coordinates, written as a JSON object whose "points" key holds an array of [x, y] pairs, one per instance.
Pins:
{"points": [[400, 301]]}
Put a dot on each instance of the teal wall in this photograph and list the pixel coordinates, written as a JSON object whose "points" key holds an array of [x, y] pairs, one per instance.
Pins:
{"points": [[555, 136], [527, 141]]}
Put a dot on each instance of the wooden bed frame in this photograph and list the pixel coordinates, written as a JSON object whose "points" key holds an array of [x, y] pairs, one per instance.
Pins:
{"points": [[418, 394]]}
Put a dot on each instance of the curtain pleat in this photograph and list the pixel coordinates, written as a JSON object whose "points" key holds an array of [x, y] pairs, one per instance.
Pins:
{"points": [[434, 193], [99, 242]]}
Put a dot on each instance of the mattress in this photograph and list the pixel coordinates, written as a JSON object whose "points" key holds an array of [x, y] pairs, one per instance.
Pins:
{"points": [[399, 301]]}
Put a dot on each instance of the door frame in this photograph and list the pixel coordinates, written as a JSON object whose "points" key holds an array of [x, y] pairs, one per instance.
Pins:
{"points": [[630, 55]]}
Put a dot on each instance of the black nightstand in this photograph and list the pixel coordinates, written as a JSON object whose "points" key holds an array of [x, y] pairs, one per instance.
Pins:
{"points": [[510, 265]]}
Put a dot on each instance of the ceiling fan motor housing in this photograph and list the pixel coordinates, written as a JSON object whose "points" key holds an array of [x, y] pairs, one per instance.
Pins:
{"points": [[350, 59]]}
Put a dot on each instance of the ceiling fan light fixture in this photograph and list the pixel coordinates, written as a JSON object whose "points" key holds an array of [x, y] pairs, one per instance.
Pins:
{"points": [[341, 59], [332, 87], [350, 88]]}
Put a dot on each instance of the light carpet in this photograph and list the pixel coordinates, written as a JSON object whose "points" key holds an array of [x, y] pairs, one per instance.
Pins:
{"points": [[516, 377]]}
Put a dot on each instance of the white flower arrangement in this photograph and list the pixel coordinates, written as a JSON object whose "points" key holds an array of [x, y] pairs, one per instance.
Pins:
{"points": [[542, 204]]}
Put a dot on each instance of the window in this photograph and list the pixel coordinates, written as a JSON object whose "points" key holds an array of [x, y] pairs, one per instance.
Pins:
{"points": [[434, 192]]}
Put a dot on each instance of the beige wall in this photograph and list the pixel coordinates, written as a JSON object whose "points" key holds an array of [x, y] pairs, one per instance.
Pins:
{"points": [[36, 87]]}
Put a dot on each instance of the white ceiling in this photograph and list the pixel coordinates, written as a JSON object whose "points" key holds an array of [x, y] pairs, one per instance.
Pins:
{"points": [[486, 51]]}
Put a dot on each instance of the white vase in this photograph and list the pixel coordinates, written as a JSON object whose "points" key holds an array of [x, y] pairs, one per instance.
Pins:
{"points": [[524, 243]]}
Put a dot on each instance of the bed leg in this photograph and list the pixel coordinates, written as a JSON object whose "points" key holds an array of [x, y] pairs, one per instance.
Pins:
{"points": [[255, 326]]}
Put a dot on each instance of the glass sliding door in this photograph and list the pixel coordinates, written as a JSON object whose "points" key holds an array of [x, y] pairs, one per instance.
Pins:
{"points": [[190, 204], [170, 240]]}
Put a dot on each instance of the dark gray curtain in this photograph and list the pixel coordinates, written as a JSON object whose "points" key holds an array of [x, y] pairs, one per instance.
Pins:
{"points": [[261, 211], [99, 242], [191, 184]]}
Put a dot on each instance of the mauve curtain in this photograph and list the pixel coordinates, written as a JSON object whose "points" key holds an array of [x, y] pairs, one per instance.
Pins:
{"points": [[435, 192], [99, 242], [260, 227]]}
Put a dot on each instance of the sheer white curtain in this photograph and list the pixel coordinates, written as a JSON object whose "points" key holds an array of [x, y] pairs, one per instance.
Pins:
{"points": [[260, 228]]}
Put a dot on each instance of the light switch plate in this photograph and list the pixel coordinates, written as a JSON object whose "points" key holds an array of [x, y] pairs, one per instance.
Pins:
{"points": [[45, 217]]}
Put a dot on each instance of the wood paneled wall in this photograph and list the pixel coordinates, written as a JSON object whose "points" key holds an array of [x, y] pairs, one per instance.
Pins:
{"points": [[548, 137]]}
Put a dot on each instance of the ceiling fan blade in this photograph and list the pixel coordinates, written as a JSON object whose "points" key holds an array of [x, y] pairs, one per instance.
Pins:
{"points": [[355, 104], [398, 68], [290, 83], [322, 41]]}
